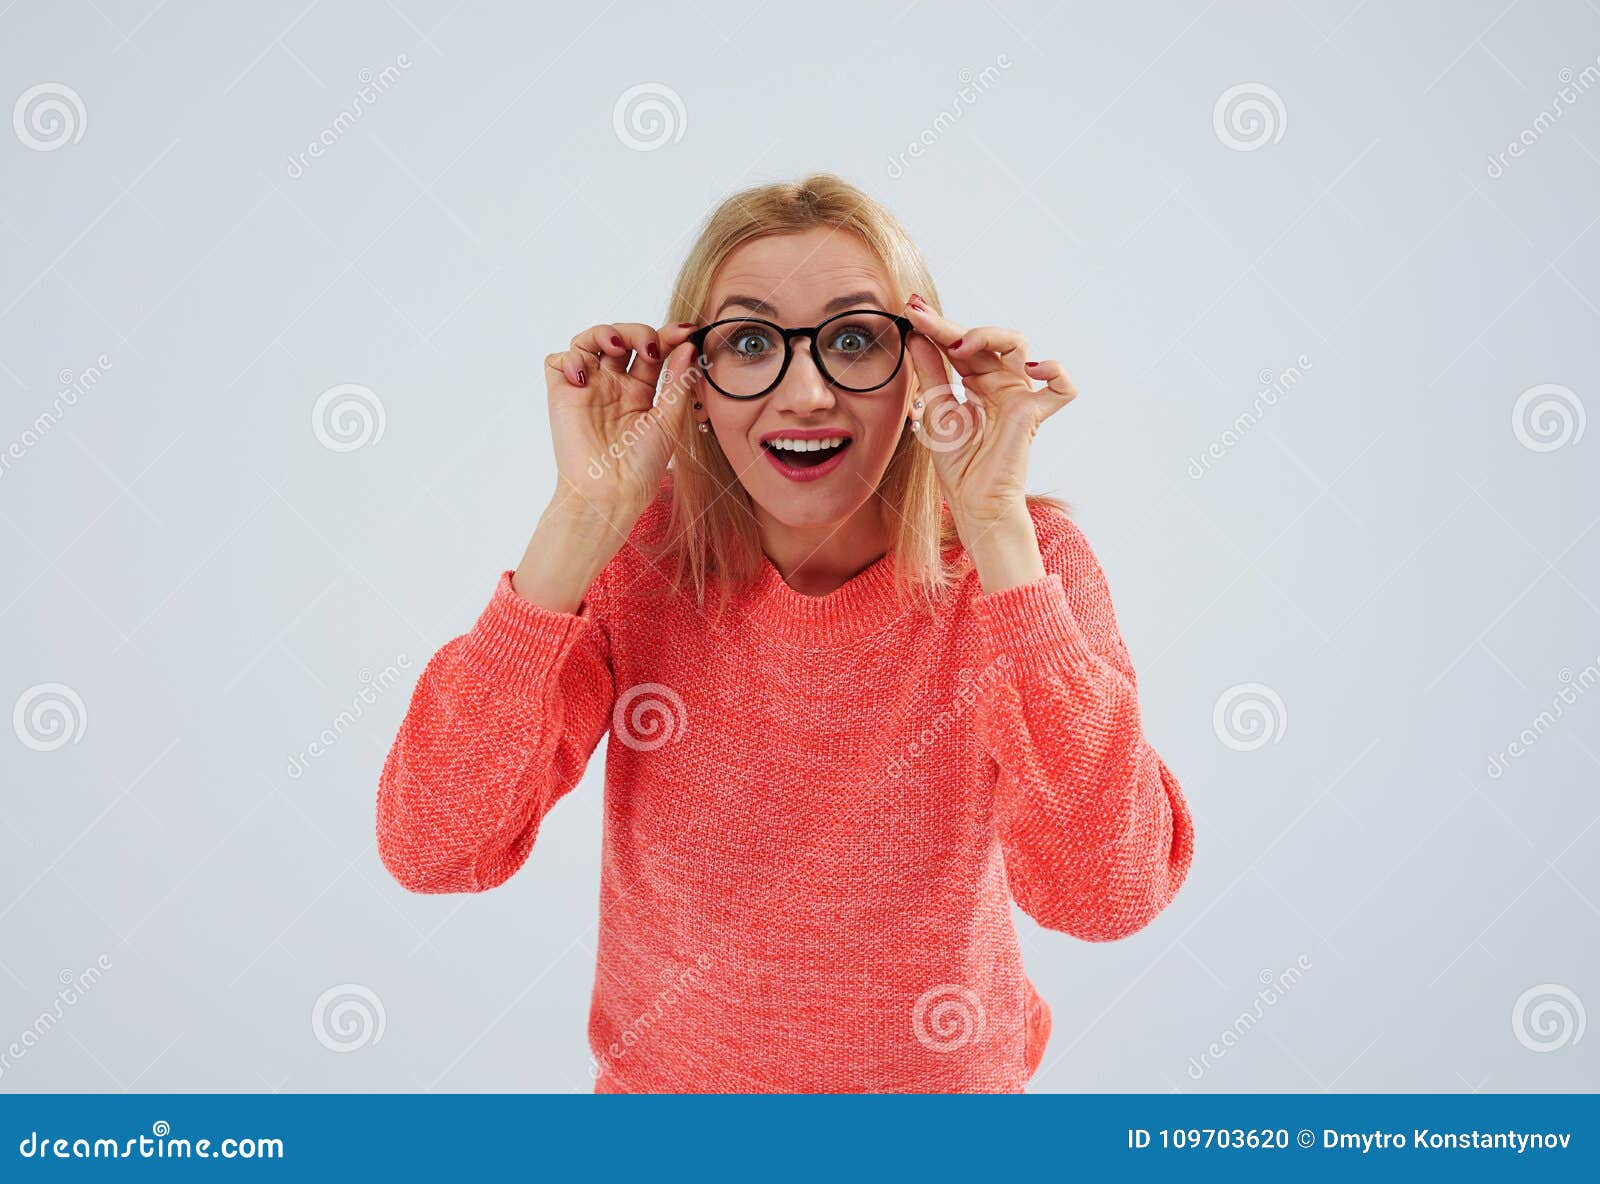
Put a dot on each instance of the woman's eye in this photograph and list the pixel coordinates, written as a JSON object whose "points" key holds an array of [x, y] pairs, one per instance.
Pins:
{"points": [[850, 341], [750, 344]]}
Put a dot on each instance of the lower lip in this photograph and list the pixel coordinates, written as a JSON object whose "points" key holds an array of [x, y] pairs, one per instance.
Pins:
{"points": [[813, 473]]}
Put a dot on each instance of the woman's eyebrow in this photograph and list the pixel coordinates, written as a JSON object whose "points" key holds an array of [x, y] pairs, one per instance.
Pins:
{"points": [[853, 300], [749, 302], [837, 304]]}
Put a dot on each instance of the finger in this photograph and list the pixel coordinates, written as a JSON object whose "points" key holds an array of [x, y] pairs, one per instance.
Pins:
{"points": [[947, 335], [934, 391], [942, 331], [679, 389], [672, 336], [1008, 346], [574, 365], [554, 367], [605, 342], [645, 344], [651, 346], [1055, 378]]}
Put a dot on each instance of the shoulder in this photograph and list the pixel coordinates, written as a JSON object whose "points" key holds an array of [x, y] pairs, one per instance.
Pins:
{"points": [[1063, 548], [1066, 549], [1068, 555], [1070, 560], [1062, 544], [1058, 534]]}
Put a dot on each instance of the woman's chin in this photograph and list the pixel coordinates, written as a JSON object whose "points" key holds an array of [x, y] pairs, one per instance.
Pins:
{"points": [[808, 506], [810, 513]]}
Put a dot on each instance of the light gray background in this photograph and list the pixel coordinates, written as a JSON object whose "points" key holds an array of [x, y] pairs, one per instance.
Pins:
{"points": [[1382, 548]]}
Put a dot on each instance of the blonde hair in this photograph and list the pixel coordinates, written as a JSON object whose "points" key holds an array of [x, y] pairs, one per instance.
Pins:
{"points": [[711, 527]]}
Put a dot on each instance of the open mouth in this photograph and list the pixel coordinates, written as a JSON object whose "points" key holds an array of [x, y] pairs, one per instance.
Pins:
{"points": [[805, 454]]}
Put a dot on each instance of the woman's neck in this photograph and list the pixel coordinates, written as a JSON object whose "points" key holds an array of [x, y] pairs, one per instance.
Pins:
{"points": [[815, 560]]}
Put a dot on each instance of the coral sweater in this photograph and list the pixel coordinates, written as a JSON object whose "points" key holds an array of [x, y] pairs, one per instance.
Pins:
{"points": [[817, 812]]}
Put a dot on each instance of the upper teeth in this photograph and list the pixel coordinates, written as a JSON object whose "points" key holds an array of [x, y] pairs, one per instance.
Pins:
{"points": [[806, 445]]}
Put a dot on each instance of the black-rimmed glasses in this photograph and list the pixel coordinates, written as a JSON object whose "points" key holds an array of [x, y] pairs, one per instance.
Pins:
{"points": [[857, 351]]}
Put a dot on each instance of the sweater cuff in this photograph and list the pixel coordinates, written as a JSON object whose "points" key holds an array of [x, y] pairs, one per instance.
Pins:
{"points": [[1033, 626], [519, 641]]}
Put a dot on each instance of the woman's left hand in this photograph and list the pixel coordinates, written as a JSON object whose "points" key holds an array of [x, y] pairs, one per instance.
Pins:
{"points": [[980, 448]]}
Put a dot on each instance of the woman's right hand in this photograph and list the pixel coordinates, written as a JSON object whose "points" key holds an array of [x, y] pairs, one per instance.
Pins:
{"points": [[612, 434]]}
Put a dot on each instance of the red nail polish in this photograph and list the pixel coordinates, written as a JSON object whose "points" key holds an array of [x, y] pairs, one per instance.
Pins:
{"points": [[1030, 363], [917, 300], [956, 344], [686, 324], [583, 379], [653, 352], [616, 341]]}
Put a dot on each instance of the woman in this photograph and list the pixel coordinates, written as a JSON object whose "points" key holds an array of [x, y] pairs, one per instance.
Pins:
{"points": [[862, 691]]}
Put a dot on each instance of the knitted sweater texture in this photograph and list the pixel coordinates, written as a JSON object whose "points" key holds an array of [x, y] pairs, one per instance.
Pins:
{"points": [[817, 811]]}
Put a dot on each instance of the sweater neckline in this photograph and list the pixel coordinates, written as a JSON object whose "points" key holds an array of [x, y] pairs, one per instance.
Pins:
{"points": [[863, 604]]}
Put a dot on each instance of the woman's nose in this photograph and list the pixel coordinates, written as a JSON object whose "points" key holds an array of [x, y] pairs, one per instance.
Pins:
{"points": [[803, 388]]}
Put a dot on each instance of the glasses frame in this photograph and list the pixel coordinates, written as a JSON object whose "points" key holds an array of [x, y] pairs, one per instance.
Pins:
{"points": [[788, 335]]}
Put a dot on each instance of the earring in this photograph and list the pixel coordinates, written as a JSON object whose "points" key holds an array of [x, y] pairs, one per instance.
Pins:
{"points": [[697, 406], [916, 425], [704, 426]]}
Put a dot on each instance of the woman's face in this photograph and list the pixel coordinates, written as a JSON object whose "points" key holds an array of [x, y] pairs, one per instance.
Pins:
{"points": [[798, 279]]}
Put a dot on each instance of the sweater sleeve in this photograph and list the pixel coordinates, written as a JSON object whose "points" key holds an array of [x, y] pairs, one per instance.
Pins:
{"points": [[500, 727], [1096, 835]]}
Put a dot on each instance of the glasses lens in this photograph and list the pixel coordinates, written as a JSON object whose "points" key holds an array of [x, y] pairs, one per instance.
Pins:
{"points": [[743, 357], [860, 350]]}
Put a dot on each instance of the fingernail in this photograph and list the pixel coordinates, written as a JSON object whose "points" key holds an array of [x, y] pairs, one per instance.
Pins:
{"points": [[1030, 363], [917, 301], [956, 344], [686, 324], [583, 379], [616, 341], [653, 352]]}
